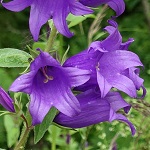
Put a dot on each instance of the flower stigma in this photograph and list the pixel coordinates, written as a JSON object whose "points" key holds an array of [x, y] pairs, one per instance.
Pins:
{"points": [[98, 66], [47, 77]]}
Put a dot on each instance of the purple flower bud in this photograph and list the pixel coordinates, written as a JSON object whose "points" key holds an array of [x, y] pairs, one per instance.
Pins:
{"points": [[6, 101]]}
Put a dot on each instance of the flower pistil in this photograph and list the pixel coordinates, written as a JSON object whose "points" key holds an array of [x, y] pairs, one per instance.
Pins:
{"points": [[47, 77]]}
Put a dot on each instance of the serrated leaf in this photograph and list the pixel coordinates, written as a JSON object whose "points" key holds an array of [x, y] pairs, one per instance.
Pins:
{"points": [[10, 57], [12, 129], [40, 129]]}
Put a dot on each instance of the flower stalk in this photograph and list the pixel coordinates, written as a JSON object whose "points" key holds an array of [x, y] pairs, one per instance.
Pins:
{"points": [[23, 139], [51, 39]]}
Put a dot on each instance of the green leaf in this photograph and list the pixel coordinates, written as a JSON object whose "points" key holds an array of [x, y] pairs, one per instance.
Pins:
{"points": [[40, 129], [40, 45], [10, 57], [12, 128], [75, 20]]}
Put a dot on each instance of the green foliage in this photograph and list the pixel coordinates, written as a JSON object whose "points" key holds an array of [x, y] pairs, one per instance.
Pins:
{"points": [[12, 128], [10, 57], [76, 20], [40, 129]]}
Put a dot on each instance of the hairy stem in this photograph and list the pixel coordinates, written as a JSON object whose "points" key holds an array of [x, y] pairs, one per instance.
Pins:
{"points": [[23, 139], [51, 39]]}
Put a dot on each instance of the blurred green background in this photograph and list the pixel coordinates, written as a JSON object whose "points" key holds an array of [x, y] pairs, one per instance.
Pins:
{"points": [[134, 23]]}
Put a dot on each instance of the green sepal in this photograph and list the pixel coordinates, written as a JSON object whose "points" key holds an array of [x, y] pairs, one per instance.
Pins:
{"points": [[65, 55], [39, 130], [33, 52], [5, 113]]}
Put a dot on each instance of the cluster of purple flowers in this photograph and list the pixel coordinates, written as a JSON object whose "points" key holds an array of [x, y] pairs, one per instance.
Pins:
{"points": [[95, 72]]}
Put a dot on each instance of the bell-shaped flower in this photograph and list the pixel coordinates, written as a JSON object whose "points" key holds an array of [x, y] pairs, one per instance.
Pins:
{"points": [[49, 84], [6, 101], [41, 11], [117, 5], [109, 61], [95, 109]]}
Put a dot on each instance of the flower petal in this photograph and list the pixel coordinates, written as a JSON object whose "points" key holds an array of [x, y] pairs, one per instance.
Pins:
{"points": [[103, 84], [94, 110], [93, 3], [133, 74], [59, 18], [77, 8], [126, 59], [117, 102], [77, 76], [43, 59], [124, 119], [23, 83], [83, 60], [124, 84], [97, 46], [117, 5], [55, 92], [17, 5], [38, 107], [125, 46], [39, 15], [6, 101], [114, 40]]}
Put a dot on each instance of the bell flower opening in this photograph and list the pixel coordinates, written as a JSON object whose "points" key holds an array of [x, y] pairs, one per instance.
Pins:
{"points": [[49, 84]]}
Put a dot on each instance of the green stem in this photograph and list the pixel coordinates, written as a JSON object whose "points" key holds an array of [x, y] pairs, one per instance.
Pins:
{"points": [[54, 130], [23, 139], [60, 51], [51, 39], [53, 146]]}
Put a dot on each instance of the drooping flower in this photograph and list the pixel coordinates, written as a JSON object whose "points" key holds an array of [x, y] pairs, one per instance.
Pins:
{"points": [[41, 11], [109, 62], [49, 84], [117, 5], [95, 109], [6, 101]]}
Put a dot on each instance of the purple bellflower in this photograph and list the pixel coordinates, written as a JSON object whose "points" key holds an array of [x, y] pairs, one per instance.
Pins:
{"points": [[95, 109], [117, 5], [110, 63], [41, 11], [6, 101], [49, 84]]}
